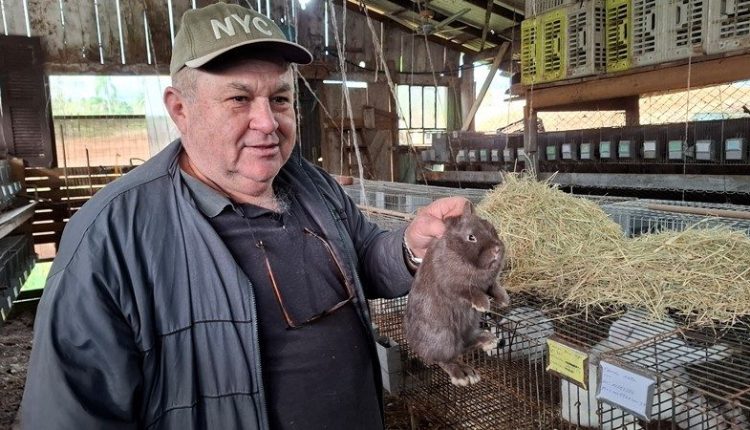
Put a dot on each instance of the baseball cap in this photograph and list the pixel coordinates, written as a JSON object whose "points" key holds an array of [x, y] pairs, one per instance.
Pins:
{"points": [[210, 31]]}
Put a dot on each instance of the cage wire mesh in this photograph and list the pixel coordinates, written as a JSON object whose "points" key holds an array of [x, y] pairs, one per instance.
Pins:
{"points": [[638, 217], [698, 104], [701, 376], [406, 198]]}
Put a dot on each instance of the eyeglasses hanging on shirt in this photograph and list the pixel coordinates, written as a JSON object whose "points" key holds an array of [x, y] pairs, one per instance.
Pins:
{"points": [[291, 322]]}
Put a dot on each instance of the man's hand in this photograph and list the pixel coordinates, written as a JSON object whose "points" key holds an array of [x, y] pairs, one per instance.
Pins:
{"points": [[429, 223]]}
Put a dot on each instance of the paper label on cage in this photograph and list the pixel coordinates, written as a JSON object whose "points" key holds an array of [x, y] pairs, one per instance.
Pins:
{"points": [[568, 363], [626, 389]]}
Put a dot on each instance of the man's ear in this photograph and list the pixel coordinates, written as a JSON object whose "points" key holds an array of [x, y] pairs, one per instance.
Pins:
{"points": [[175, 104]]}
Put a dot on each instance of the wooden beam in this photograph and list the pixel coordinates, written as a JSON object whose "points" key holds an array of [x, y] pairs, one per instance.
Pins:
{"points": [[644, 80], [437, 16], [384, 18], [501, 10], [615, 104], [487, 81], [461, 176]]}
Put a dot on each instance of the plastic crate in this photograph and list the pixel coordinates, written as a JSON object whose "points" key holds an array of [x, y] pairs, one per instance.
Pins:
{"points": [[735, 141], [680, 145], [588, 149], [648, 31], [654, 143], [538, 7], [530, 71], [728, 26], [585, 38], [553, 27], [686, 25], [707, 137], [618, 35]]}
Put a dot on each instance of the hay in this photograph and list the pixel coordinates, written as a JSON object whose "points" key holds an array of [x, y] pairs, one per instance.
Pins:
{"points": [[566, 248]]}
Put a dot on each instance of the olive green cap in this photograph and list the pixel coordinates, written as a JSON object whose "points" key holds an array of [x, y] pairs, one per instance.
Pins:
{"points": [[210, 31]]}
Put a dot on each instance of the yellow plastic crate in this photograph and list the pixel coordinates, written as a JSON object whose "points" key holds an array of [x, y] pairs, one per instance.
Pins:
{"points": [[554, 29], [619, 35], [530, 71]]}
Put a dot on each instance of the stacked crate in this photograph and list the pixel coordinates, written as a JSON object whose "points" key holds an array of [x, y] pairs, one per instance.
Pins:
{"points": [[530, 72], [648, 27], [538, 7], [618, 35], [553, 27], [728, 26], [585, 38], [686, 28]]}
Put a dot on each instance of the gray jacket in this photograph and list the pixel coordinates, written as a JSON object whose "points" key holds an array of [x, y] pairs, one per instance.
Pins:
{"points": [[146, 320]]}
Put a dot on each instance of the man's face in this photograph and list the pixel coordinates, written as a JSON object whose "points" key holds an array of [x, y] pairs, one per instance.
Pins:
{"points": [[240, 127]]}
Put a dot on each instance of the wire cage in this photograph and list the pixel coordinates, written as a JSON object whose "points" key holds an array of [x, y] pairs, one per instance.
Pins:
{"points": [[638, 217], [701, 377], [405, 198]]}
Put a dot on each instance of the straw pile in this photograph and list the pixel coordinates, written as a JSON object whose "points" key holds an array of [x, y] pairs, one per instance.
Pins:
{"points": [[566, 248]]}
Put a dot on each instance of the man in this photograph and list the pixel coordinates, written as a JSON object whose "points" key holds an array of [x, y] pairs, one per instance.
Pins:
{"points": [[223, 283]]}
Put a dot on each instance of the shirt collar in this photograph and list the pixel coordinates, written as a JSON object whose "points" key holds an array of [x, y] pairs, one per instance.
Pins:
{"points": [[209, 201]]}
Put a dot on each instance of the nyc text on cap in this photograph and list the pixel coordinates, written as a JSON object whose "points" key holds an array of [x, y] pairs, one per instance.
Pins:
{"points": [[210, 31]]}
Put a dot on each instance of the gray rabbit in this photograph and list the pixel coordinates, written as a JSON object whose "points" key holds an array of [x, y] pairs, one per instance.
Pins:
{"points": [[451, 289]]}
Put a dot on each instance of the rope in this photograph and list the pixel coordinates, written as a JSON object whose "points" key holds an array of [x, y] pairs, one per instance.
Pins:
{"points": [[345, 90], [687, 92]]}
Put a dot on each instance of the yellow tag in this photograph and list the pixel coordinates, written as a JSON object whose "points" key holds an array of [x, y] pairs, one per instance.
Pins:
{"points": [[568, 363]]}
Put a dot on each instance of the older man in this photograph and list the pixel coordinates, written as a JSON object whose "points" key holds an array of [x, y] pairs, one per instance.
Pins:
{"points": [[222, 284]]}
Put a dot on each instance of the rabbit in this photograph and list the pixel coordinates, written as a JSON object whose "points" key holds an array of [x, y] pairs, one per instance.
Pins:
{"points": [[450, 290]]}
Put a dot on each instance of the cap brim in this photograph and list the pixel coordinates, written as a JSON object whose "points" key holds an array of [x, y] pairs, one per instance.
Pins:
{"points": [[290, 51]]}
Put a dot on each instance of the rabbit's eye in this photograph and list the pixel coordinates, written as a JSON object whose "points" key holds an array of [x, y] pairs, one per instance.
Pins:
{"points": [[471, 238]]}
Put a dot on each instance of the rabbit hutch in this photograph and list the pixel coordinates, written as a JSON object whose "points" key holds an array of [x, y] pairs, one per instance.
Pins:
{"points": [[643, 353]]}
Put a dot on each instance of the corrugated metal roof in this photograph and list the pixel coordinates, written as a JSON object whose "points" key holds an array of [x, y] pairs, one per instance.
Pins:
{"points": [[433, 14]]}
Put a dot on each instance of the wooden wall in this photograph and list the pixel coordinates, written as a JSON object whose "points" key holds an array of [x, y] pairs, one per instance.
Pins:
{"points": [[135, 36]]}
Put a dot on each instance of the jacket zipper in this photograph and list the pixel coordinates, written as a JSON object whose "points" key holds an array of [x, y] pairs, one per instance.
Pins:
{"points": [[258, 360]]}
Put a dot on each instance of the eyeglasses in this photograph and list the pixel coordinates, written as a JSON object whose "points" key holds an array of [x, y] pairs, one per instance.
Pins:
{"points": [[290, 322]]}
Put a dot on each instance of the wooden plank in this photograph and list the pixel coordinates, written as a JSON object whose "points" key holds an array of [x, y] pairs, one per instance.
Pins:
{"points": [[485, 86], [54, 227], [13, 218], [179, 7], [110, 31], [642, 81], [714, 183], [80, 44], [158, 25], [134, 33], [13, 15], [57, 194], [77, 171], [62, 183], [464, 176]]}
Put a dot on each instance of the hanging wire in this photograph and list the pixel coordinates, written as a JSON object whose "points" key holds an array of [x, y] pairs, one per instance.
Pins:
{"points": [[391, 85], [344, 83], [687, 91]]}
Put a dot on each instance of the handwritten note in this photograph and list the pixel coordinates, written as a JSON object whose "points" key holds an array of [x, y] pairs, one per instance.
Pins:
{"points": [[568, 363], [626, 389]]}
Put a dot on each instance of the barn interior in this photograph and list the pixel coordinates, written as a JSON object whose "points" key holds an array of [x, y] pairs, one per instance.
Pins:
{"points": [[562, 120]]}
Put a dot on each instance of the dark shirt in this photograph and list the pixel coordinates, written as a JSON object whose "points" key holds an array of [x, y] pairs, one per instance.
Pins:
{"points": [[320, 375]]}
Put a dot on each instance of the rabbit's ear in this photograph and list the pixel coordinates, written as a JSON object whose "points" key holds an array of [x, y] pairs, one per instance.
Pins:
{"points": [[468, 208]]}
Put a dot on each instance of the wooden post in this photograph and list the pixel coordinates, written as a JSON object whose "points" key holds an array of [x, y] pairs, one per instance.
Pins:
{"points": [[487, 81], [633, 111], [530, 134]]}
